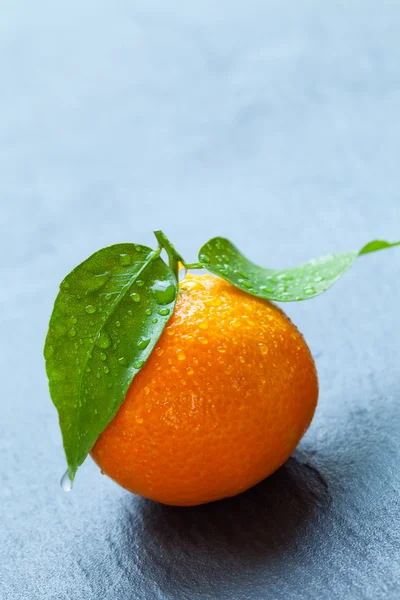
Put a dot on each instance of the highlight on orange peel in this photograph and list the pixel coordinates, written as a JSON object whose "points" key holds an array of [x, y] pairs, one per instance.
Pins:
{"points": [[221, 403]]}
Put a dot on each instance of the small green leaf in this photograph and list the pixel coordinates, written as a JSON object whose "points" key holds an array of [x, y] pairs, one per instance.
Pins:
{"points": [[107, 318], [222, 258]]}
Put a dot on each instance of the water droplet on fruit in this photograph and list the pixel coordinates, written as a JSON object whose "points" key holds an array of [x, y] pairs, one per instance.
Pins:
{"points": [[135, 297], [263, 349], [189, 371], [143, 343], [180, 355], [163, 292], [124, 260], [163, 312], [90, 309], [139, 420], [103, 340], [66, 483]]}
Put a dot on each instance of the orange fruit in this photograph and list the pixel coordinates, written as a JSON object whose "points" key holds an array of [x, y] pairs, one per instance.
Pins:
{"points": [[221, 403]]}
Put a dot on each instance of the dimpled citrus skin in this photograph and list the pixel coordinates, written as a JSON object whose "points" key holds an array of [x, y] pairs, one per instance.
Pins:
{"points": [[221, 403]]}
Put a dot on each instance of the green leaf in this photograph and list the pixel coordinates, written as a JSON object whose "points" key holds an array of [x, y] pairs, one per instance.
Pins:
{"points": [[107, 318], [222, 258]]}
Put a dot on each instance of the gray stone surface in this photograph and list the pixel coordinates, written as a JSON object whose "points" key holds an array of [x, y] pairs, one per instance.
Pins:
{"points": [[276, 124]]}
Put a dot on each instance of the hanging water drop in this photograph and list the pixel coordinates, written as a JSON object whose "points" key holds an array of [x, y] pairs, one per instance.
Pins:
{"points": [[66, 483]]}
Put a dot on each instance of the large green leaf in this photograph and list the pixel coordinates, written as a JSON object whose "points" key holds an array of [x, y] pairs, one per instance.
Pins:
{"points": [[107, 318], [222, 258]]}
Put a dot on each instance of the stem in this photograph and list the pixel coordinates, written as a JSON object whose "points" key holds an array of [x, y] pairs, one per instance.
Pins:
{"points": [[174, 258]]}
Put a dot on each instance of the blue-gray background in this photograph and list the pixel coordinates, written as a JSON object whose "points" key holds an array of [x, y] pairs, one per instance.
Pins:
{"points": [[276, 124]]}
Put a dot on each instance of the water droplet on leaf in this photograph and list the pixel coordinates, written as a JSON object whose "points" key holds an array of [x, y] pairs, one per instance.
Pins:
{"points": [[48, 352], [103, 340], [103, 356], [135, 297], [163, 312], [163, 292], [125, 260], [90, 309], [96, 282], [143, 343]]}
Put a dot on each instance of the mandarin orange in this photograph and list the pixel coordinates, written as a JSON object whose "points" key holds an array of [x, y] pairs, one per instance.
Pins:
{"points": [[221, 403]]}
